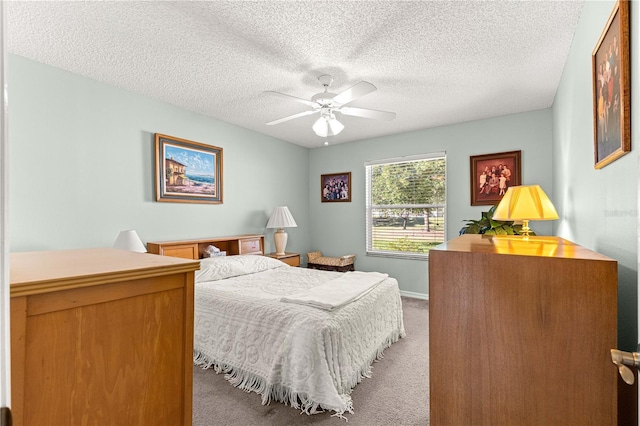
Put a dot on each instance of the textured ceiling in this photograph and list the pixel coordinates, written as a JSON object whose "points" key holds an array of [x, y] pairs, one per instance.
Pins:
{"points": [[433, 62]]}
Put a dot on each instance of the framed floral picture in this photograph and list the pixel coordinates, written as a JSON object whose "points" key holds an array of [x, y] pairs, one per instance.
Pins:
{"points": [[492, 175], [611, 88], [187, 171]]}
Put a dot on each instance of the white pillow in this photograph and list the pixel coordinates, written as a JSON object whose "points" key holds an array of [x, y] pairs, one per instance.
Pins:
{"points": [[219, 268], [255, 263]]}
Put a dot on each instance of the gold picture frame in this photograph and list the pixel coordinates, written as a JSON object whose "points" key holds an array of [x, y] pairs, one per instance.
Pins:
{"points": [[611, 89], [187, 171]]}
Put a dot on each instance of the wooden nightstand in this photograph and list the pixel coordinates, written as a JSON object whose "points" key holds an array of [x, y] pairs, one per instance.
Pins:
{"points": [[292, 259]]}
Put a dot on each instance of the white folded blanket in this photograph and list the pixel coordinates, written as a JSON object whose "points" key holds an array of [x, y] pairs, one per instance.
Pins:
{"points": [[338, 292]]}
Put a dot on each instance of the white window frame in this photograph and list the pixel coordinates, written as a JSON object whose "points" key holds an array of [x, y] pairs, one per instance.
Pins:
{"points": [[369, 208]]}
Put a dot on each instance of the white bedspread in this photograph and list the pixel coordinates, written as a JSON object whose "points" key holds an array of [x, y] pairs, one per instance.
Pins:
{"points": [[305, 357]]}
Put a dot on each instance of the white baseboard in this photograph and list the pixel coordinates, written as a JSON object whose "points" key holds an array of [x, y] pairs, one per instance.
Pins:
{"points": [[414, 295]]}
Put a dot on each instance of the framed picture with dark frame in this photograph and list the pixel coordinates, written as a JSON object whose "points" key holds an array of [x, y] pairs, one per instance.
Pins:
{"points": [[335, 188], [187, 171], [611, 89], [492, 175]]}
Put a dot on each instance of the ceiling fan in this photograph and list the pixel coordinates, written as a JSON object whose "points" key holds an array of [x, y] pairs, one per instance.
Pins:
{"points": [[327, 104]]}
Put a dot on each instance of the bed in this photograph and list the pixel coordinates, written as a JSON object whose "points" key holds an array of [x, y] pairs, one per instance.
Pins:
{"points": [[261, 323]]}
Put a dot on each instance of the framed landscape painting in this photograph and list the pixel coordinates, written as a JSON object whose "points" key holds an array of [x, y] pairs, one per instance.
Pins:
{"points": [[492, 175], [611, 89], [187, 171], [335, 187]]}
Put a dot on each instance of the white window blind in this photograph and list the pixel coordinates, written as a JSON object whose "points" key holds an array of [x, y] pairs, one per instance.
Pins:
{"points": [[405, 206]]}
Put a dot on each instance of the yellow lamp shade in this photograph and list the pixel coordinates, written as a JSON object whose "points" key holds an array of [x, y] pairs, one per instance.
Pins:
{"points": [[525, 203]]}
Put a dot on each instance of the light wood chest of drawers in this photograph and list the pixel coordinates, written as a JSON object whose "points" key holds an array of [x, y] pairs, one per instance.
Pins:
{"points": [[101, 336]]}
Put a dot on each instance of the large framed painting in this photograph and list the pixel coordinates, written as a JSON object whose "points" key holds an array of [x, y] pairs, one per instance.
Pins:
{"points": [[611, 88], [335, 187], [492, 175], [187, 171]]}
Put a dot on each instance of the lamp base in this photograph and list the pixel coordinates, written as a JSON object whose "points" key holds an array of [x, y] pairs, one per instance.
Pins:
{"points": [[525, 231], [280, 238]]}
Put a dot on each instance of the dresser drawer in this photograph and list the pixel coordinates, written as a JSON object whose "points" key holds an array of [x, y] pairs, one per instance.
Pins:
{"points": [[291, 259]]}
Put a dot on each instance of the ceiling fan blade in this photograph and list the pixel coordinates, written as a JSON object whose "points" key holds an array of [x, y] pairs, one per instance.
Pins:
{"points": [[368, 113], [295, 98], [291, 117], [354, 92]]}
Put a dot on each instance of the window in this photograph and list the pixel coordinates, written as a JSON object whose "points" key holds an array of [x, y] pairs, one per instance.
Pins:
{"points": [[406, 205]]}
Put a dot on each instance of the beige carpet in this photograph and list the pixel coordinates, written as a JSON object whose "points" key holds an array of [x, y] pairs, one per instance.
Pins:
{"points": [[396, 394]]}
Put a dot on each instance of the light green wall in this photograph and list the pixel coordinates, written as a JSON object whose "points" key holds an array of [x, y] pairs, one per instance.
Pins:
{"points": [[339, 228], [82, 167], [82, 156], [598, 208]]}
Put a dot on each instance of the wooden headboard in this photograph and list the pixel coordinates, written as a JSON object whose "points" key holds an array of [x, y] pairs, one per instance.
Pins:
{"points": [[193, 249]]}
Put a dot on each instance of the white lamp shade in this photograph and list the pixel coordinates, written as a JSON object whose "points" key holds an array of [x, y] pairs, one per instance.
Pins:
{"points": [[129, 240], [335, 126], [321, 127], [327, 125], [281, 218], [525, 202]]}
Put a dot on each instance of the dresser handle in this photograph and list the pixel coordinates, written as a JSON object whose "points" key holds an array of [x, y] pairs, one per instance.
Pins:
{"points": [[622, 360]]}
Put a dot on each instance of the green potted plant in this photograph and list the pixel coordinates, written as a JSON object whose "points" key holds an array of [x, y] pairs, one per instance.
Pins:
{"points": [[489, 226]]}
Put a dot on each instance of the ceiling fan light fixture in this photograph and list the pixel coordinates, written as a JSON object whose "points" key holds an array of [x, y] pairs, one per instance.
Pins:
{"points": [[327, 125], [334, 125], [321, 127]]}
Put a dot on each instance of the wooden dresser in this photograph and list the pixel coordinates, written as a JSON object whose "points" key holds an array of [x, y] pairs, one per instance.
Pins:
{"points": [[101, 336], [520, 333]]}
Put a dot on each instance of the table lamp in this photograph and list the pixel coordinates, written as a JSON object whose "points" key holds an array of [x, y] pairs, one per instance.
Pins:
{"points": [[281, 218], [129, 240], [525, 203]]}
